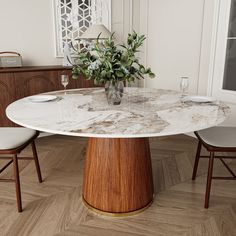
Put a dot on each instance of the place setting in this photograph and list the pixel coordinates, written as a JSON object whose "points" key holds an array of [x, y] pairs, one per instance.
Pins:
{"points": [[191, 99], [42, 98]]}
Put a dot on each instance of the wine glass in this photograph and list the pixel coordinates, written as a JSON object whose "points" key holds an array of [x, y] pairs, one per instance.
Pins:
{"points": [[184, 85], [64, 81]]}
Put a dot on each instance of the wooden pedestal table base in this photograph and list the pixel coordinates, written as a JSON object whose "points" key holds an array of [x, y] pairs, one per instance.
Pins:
{"points": [[118, 175]]}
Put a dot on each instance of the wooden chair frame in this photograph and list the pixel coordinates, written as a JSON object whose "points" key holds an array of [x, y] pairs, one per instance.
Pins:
{"points": [[212, 156], [14, 159]]}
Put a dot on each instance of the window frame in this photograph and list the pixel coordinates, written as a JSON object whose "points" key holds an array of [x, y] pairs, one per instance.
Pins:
{"points": [[58, 38]]}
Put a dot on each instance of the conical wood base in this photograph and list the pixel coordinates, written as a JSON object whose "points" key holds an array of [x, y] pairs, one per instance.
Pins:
{"points": [[118, 174]]}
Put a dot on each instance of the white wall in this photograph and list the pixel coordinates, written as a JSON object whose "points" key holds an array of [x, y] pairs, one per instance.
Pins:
{"points": [[26, 26], [174, 41]]}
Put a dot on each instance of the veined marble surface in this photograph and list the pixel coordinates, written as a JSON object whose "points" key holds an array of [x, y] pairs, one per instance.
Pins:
{"points": [[143, 113]]}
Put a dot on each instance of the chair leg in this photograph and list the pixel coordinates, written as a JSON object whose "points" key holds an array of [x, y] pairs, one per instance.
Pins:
{"points": [[199, 147], [17, 182], [209, 179], [36, 162]]}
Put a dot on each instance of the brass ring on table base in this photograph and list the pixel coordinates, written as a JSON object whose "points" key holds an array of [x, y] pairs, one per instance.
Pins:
{"points": [[111, 214]]}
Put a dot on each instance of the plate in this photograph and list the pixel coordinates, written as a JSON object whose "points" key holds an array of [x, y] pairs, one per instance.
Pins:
{"points": [[42, 98], [198, 99]]}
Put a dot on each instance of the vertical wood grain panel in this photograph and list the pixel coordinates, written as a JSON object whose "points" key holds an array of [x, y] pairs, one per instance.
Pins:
{"points": [[7, 96], [118, 174]]}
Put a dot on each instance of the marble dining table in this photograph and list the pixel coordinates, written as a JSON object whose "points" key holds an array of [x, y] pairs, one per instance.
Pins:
{"points": [[118, 172]]}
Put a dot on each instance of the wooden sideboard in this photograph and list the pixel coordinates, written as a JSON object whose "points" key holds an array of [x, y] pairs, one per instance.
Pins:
{"points": [[16, 83]]}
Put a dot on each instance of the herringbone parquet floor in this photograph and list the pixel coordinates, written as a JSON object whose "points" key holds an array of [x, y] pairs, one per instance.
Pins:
{"points": [[55, 207]]}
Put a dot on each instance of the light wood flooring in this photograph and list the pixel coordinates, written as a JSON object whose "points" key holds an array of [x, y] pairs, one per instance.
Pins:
{"points": [[55, 207]]}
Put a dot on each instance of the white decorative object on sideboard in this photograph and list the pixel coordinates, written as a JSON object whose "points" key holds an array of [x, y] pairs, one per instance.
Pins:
{"points": [[10, 59]]}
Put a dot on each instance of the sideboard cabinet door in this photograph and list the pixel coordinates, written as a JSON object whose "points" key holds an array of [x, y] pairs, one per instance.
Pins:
{"points": [[7, 96], [31, 83]]}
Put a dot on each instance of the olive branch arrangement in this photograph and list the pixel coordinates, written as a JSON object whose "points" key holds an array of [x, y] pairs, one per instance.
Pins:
{"points": [[112, 62]]}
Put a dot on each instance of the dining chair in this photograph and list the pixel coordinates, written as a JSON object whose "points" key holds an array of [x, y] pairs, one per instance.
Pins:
{"points": [[215, 140], [12, 141]]}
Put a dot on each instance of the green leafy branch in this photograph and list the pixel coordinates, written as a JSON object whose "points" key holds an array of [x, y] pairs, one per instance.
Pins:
{"points": [[107, 61]]}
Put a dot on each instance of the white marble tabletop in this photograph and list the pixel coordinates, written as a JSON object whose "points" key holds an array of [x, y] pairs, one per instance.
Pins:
{"points": [[143, 113]]}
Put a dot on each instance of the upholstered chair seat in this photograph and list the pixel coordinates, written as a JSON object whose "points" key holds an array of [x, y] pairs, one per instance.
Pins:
{"points": [[219, 136], [12, 141], [14, 137], [216, 140]]}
